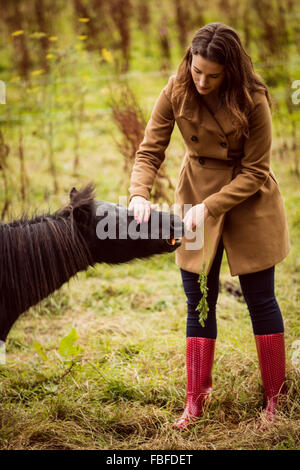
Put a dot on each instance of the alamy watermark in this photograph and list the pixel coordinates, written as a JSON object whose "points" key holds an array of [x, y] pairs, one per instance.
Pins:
{"points": [[115, 223], [296, 354], [2, 92], [2, 353], [296, 94]]}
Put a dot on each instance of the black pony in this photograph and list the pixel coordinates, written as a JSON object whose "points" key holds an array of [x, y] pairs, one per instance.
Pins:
{"points": [[38, 255]]}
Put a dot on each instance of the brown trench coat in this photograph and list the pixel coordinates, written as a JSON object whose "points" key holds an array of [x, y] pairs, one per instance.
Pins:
{"points": [[232, 177]]}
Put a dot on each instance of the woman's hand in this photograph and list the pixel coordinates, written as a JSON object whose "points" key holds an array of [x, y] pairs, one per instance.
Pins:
{"points": [[141, 208], [195, 216]]}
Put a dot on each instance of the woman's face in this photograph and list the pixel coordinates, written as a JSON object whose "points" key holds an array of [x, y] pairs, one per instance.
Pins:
{"points": [[207, 75]]}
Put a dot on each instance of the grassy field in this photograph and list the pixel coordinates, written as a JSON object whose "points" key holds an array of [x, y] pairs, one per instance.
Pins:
{"points": [[126, 384], [101, 363]]}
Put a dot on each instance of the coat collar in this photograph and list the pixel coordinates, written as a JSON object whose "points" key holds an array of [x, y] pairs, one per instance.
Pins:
{"points": [[188, 103]]}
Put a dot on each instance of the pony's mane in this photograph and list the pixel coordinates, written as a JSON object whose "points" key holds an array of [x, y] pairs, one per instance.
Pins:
{"points": [[39, 254]]}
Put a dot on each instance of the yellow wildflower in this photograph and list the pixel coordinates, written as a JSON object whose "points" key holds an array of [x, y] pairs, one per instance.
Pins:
{"points": [[53, 38], [106, 55], [82, 37], [37, 72], [18, 33], [37, 35], [84, 20]]}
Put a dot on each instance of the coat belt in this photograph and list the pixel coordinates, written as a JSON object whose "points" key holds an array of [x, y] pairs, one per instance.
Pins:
{"points": [[209, 162]]}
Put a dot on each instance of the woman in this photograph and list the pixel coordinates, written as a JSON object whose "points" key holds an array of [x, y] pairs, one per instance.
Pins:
{"points": [[222, 109]]}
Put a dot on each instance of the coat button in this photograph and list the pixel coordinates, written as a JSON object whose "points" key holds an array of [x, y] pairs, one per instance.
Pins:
{"points": [[223, 144], [194, 138], [201, 160]]}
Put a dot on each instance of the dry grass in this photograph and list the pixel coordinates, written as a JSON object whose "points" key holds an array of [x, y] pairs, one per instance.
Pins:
{"points": [[128, 385]]}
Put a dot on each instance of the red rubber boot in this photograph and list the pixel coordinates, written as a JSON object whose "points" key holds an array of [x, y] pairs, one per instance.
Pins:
{"points": [[271, 356], [199, 362]]}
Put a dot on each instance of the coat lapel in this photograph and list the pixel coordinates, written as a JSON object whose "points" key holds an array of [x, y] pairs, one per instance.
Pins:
{"points": [[220, 122], [189, 105]]}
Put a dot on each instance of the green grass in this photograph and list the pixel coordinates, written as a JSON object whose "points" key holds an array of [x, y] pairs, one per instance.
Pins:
{"points": [[127, 385]]}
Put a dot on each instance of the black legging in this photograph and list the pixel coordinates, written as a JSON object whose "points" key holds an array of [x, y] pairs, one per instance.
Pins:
{"points": [[258, 291]]}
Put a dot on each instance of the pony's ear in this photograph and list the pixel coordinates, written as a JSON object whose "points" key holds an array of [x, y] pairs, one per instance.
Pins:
{"points": [[73, 192]]}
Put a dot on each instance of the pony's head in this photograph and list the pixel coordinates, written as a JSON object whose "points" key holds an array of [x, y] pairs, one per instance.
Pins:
{"points": [[112, 234]]}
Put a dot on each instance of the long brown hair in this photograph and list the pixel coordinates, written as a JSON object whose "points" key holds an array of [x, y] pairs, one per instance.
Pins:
{"points": [[220, 43]]}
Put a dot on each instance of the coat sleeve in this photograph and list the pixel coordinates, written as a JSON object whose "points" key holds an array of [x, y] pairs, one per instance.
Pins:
{"points": [[255, 164], [151, 152]]}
